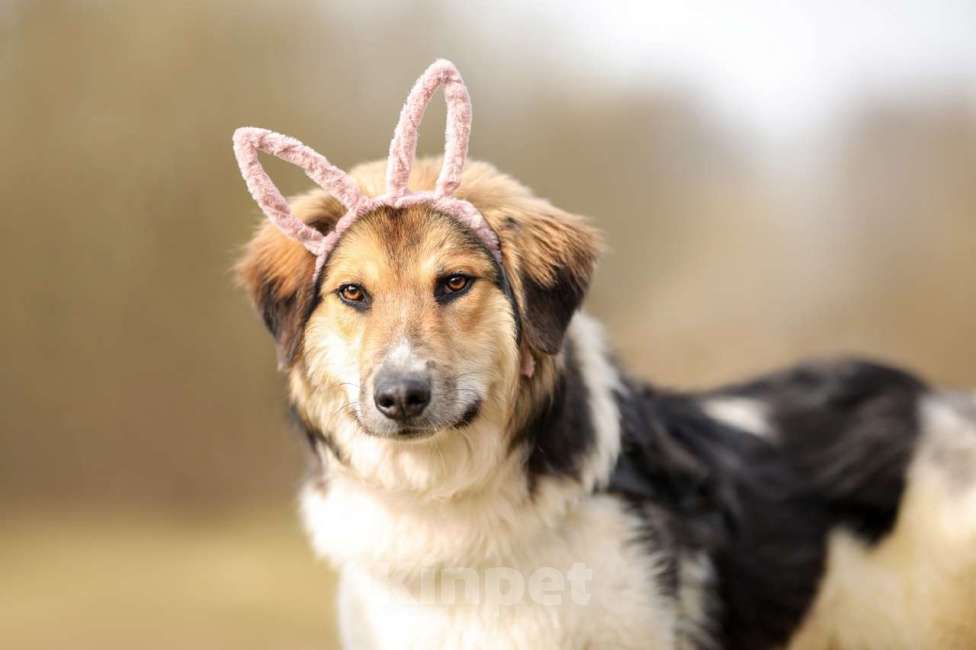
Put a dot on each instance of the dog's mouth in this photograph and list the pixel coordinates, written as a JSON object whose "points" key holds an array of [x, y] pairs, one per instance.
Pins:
{"points": [[406, 434], [423, 428]]}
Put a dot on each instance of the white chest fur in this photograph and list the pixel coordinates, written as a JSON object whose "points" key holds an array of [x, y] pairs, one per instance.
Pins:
{"points": [[497, 565], [578, 582]]}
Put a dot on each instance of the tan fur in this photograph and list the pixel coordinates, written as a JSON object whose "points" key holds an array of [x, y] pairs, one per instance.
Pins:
{"points": [[397, 256], [282, 268], [537, 238], [272, 257]]}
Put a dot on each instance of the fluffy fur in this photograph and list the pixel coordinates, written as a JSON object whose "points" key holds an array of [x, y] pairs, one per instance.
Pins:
{"points": [[832, 505]]}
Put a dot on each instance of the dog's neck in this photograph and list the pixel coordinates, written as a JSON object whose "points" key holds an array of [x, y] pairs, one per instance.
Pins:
{"points": [[574, 430], [564, 451]]}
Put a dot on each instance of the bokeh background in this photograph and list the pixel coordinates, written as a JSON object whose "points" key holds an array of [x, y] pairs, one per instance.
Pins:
{"points": [[776, 180]]}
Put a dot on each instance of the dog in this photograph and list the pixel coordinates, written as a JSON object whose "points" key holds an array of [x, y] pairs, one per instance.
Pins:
{"points": [[486, 475]]}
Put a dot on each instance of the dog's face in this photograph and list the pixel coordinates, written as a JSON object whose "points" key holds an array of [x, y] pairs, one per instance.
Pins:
{"points": [[414, 324], [407, 357]]}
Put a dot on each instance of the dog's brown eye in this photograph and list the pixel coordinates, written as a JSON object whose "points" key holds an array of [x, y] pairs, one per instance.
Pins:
{"points": [[450, 287], [456, 283], [352, 293]]}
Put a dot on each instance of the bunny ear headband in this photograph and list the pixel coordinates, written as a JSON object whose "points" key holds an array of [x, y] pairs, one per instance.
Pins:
{"points": [[248, 141]]}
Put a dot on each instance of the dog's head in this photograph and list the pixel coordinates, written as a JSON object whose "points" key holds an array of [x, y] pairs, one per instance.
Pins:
{"points": [[413, 351], [412, 307]]}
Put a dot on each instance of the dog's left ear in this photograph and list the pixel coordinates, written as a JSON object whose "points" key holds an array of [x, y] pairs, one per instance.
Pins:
{"points": [[278, 272], [550, 256]]}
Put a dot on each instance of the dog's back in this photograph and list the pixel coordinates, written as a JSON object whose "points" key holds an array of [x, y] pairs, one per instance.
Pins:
{"points": [[813, 498]]}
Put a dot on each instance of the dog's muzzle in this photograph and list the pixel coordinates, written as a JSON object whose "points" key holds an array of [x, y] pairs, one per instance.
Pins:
{"points": [[402, 395]]}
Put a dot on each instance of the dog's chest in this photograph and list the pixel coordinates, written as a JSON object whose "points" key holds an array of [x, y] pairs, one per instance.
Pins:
{"points": [[581, 586]]}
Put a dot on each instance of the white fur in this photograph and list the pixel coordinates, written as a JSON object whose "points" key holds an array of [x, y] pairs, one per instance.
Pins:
{"points": [[602, 380], [696, 578], [402, 354], [742, 413], [387, 540], [620, 611]]}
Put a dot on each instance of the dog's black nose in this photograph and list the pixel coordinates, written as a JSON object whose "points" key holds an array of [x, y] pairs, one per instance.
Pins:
{"points": [[401, 396]]}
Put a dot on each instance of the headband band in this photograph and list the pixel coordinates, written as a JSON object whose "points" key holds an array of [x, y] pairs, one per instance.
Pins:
{"points": [[248, 141]]}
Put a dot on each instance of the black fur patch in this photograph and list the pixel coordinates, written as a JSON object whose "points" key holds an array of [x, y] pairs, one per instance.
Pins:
{"points": [[506, 288], [762, 510], [282, 318], [849, 429], [469, 415], [561, 433], [286, 316], [548, 309]]}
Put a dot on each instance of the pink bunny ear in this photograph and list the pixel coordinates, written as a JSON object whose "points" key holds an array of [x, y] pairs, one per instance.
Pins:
{"points": [[249, 140], [403, 148]]}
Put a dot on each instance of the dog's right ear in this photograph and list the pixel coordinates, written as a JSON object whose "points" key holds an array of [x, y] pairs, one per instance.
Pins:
{"points": [[277, 273], [558, 252], [548, 254]]}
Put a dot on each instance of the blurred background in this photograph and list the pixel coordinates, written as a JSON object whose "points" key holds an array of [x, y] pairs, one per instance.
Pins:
{"points": [[776, 180]]}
